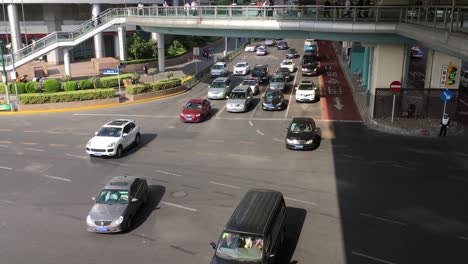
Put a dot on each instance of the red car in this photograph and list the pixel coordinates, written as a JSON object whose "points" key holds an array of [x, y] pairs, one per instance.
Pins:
{"points": [[196, 110]]}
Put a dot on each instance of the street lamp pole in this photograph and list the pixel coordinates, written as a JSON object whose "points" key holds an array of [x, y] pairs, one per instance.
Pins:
{"points": [[4, 76], [14, 77]]}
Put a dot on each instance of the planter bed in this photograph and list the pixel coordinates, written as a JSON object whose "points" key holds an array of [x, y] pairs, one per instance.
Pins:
{"points": [[26, 107], [136, 97]]}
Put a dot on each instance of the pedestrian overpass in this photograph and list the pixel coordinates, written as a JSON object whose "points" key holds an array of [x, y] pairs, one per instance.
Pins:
{"points": [[441, 28]]}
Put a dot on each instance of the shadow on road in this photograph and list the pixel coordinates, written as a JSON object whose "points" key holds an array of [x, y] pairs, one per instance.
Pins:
{"points": [[155, 194], [145, 140], [295, 218]]}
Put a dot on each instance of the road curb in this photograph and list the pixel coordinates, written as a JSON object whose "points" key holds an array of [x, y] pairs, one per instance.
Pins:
{"points": [[32, 112]]}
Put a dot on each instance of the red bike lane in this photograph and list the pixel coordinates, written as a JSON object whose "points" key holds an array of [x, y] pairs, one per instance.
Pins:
{"points": [[336, 100]]}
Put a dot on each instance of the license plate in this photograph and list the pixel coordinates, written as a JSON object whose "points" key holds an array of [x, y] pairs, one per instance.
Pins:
{"points": [[97, 154], [299, 146], [189, 119], [101, 229]]}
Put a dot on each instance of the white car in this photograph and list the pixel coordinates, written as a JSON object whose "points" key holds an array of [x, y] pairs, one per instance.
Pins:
{"points": [[252, 83], [288, 64], [113, 138], [250, 48], [219, 69], [270, 42], [241, 68], [306, 91], [261, 51]]}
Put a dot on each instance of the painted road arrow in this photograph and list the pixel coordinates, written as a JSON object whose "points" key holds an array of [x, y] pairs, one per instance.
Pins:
{"points": [[338, 104]]}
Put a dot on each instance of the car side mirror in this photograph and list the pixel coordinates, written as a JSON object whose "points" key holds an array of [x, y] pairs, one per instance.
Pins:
{"points": [[296, 87], [93, 198], [124, 135], [134, 200], [213, 245], [271, 255]]}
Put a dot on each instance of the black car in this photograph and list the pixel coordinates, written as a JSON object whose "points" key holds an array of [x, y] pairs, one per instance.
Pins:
{"points": [[309, 59], [292, 54], [282, 45], [309, 64], [302, 134], [273, 100], [285, 72], [260, 71]]}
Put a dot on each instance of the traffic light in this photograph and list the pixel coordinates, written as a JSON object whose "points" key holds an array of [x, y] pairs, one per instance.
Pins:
{"points": [[451, 75]]}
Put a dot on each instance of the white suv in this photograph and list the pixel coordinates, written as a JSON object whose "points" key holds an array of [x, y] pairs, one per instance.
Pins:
{"points": [[306, 91], [113, 138]]}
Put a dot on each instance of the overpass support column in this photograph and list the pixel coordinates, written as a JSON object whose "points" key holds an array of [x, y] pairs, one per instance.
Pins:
{"points": [[53, 19], [98, 38], [161, 57], [407, 58], [66, 62], [435, 65], [225, 46], [122, 39], [14, 27], [365, 66], [388, 61]]}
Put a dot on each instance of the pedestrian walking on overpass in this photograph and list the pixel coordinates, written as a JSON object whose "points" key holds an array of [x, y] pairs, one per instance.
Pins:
{"points": [[326, 13], [347, 8], [444, 124], [187, 8], [259, 7], [194, 7]]}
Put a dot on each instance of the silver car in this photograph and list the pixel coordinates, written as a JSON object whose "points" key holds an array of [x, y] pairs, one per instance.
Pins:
{"points": [[253, 83], [117, 204], [219, 88], [239, 99], [278, 82], [219, 69]]}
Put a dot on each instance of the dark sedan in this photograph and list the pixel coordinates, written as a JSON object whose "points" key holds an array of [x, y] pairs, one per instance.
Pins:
{"points": [[273, 100], [302, 134], [282, 45], [292, 54], [285, 73]]}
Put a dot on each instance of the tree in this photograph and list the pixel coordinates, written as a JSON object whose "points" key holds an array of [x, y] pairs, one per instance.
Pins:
{"points": [[140, 49]]}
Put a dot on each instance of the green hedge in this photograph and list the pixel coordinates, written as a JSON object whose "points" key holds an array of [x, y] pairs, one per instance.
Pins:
{"points": [[67, 96], [51, 86], [70, 86], [128, 62], [32, 87], [2, 88], [113, 81], [20, 86], [151, 87], [86, 84]]}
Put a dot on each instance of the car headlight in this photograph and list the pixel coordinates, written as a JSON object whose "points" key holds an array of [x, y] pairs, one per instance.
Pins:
{"points": [[182, 114], [310, 141], [197, 115], [242, 105], [89, 221], [304, 69], [117, 221], [290, 141], [111, 145]]}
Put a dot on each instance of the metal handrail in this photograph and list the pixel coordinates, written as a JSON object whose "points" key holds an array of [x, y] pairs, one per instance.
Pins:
{"points": [[444, 17]]}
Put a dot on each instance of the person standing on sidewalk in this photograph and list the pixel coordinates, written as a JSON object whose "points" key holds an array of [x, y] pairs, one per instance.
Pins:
{"points": [[444, 123]]}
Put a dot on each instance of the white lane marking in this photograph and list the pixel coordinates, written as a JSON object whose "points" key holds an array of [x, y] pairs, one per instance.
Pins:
{"points": [[57, 145], [5, 146], [463, 238], [7, 202], [5, 168], [30, 143], [54, 132], [31, 131], [1, 129], [247, 142], [291, 95], [299, 201], [56, 178], [286, 119], [34, 149], [168, 173], [258, 131], [463, 102], [250, 123], [76, 156], [216, 140], [126, 115], [5, 142], [383, 219], [225, 185], [373, 258], [279, 140], [81, 134], [179, 206]]}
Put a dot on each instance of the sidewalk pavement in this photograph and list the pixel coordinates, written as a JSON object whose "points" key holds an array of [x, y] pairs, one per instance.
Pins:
{"points": [[402, 126]]}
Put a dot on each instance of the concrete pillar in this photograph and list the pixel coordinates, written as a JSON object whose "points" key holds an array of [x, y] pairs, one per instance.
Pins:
{"points": [[98, 38], [225, 45], [370, 66], [154, 36], [122, 36], [404, 83], [66, 62], [14, 27], [53, 19], [436, 62], [365, 66], [161, 57], [388, 61], [116, 46]]}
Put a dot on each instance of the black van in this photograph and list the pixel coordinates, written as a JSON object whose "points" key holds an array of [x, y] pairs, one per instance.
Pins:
{"points": [[255, 231]]}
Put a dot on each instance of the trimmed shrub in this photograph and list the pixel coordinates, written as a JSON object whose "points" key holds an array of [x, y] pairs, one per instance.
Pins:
{"points": [[72, 96], [32, 87], [20, 85], [128, 62], [51, 86], [86, 84], [2, 88], [113, 81], [136, 89], [164, 84], [70, 86]]}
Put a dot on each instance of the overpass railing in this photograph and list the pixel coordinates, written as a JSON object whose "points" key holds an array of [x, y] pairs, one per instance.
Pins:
{"points": [[451, 18]]}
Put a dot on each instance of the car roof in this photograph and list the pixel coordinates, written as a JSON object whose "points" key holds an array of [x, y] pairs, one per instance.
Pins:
{"points": [[120, 183], [119, 122], [254, 212], [221, 79], [277, 76], [287, 60], [260, 65], [307, 82], [220, 63], [241, 88], [196, 101], [241, 62]]}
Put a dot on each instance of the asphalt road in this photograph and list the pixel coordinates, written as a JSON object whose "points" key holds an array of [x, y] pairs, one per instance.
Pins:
{"points": [[361, 197]]}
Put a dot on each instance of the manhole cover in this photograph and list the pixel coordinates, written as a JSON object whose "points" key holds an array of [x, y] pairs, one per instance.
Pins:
{"points": [[178, 194]]}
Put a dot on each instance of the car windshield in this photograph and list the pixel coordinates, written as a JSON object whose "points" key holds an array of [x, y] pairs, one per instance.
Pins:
{"points": [[237, 95], [218, 67], [277, 79], [240, 65], [271, 95], [287, 63], [110, 132], [217, 85], [240, 246], [292, 51], [300, 127], [248, 82], [305, 87], [193, 106], [113, 197]]}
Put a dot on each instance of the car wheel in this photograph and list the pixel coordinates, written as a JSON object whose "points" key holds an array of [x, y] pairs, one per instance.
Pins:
{"points": [[118, 154], [137, 140]]}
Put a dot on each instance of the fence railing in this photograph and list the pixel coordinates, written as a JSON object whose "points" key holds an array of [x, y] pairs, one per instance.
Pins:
{"points": [[413, 103], [452, 18]]}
